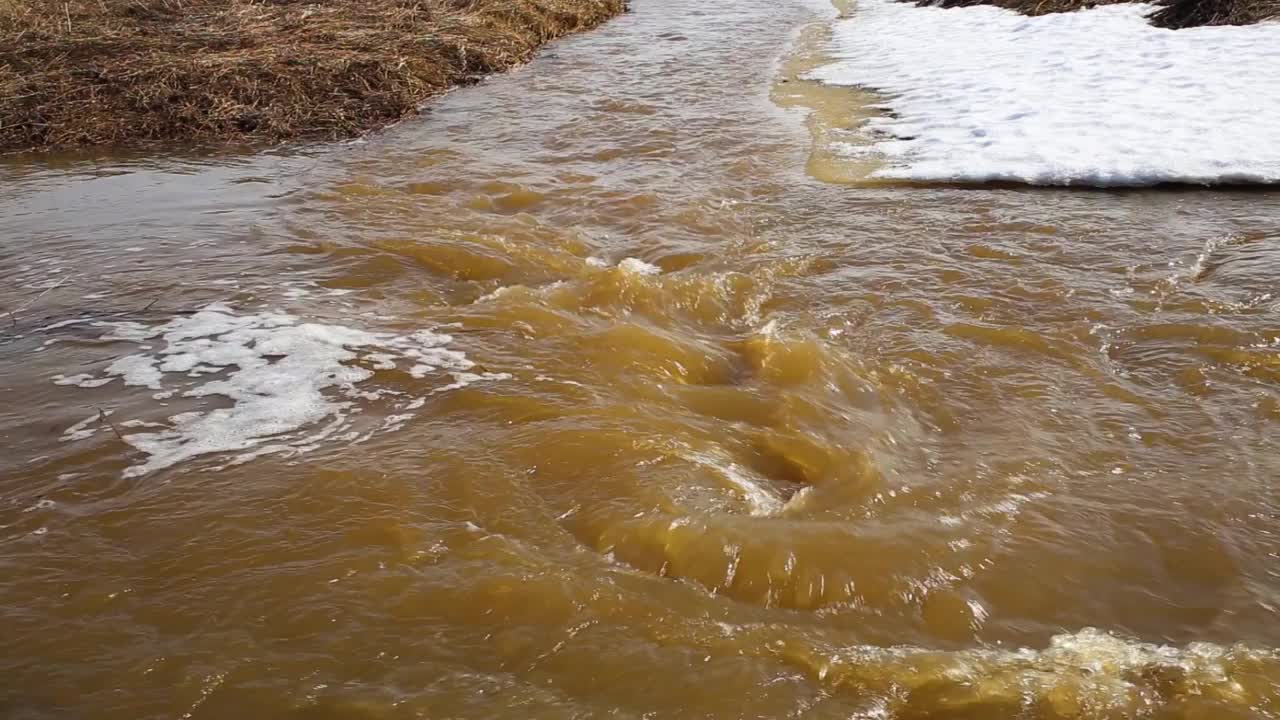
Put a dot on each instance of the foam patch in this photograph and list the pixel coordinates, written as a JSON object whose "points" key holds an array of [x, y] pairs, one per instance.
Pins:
{"points": [[291, 384]]}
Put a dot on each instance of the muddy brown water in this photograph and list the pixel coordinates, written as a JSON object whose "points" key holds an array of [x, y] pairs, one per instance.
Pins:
{"points": [[717, 431]]}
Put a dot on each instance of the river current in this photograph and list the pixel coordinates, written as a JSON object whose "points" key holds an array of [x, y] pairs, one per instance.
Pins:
{"points": [[607, 389]]}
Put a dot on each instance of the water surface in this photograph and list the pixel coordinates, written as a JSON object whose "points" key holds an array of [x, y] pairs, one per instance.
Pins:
{"points": [[703, 427]]}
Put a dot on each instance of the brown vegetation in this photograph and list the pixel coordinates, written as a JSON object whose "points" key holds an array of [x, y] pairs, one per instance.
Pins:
{"points": [[1174, 14], [1192, 13], [125, 72], [1026, 7]]}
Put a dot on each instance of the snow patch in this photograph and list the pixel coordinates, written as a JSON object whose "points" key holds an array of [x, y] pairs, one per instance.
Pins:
{"points": [[1094, 97]]}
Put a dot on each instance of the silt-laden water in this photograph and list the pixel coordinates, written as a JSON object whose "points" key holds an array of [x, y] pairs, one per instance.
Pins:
{"points": [[604, 389]]}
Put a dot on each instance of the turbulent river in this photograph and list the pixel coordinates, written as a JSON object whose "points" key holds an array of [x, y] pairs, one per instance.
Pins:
{"points": [[605, 389]]}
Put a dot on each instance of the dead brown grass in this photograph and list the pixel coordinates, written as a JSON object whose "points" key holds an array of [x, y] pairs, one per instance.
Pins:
{"points": [[1026, 7], [130, 72], [1174, 14], [1193, 13]]}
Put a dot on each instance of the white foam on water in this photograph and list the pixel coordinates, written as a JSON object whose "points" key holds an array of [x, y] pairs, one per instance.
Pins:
{"points": [[760, 502], [630, 265], [83, 430], [63, 323], [495, 294], [1094, 97], [1090, 669], [137, 370], [639, 267], [291, 384], [463, 379], [82, 380]]}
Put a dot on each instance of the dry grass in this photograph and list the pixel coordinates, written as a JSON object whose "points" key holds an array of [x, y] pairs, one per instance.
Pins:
{"points": [[1026, 7], [129, 72], [1173, 14], [1193, 13]]}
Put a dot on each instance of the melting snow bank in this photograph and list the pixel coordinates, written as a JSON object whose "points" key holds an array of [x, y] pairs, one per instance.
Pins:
{"points": [[1093, 97], [292, 384]]}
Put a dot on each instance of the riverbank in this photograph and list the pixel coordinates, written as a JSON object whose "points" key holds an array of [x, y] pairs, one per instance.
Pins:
{"points": [[133, 72], [1171, 14]]}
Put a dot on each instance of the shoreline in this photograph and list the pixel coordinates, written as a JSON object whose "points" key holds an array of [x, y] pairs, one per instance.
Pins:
{"points": [[131, 73]]}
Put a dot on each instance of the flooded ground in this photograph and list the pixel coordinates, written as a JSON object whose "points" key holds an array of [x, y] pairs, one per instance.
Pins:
{"points": [[602, 391]]}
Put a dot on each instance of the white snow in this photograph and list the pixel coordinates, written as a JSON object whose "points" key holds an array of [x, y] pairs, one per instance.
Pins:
{"points": [[1094, 97], [289, 384]]}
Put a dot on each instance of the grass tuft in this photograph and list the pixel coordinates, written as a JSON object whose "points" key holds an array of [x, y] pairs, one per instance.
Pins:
{"points": [[1195, 13]]}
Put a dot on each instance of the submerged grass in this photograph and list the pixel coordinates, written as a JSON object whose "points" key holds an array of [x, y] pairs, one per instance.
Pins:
{"points": [[1173, 14], [130, 72]]}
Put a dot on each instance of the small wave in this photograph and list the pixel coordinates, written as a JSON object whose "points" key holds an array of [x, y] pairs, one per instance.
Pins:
{"points": [[1086, 674], [759, 500]]}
